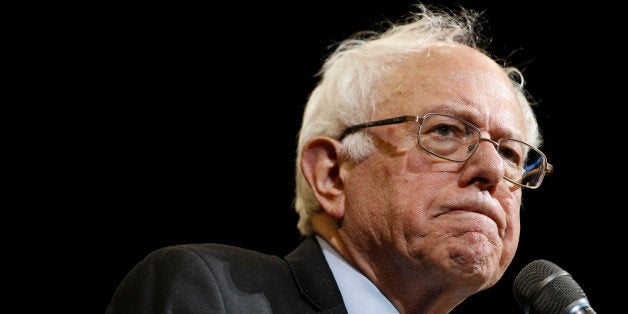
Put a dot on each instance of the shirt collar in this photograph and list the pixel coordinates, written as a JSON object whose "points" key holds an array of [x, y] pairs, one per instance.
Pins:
{"points": [[359, 294]]}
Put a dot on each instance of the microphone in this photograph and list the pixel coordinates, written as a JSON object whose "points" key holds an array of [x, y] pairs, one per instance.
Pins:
{"points": [[542, 287]]}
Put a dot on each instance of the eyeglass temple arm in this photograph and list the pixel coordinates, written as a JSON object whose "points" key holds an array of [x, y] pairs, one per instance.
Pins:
{"points": [[394, 120], [549, 168]]}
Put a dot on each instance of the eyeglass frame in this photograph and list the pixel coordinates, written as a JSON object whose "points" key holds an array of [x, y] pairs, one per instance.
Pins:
{"points": [[547, 167]]}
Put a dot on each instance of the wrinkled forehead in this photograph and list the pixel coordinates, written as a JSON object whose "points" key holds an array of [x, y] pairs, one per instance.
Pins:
{"points": [[453, 79]]}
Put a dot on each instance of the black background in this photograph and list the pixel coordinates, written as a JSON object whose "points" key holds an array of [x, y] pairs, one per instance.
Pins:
{"points": [[191, 114]]}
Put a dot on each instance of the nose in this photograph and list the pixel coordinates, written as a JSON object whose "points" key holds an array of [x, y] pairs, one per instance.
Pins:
{"points": [[484, 139], [485, 167]]}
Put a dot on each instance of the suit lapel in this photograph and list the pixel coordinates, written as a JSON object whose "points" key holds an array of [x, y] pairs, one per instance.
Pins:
{"points": [[314, 277]]}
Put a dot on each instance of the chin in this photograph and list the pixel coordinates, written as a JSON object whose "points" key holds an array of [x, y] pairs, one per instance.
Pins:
{"points": [[477, 260]]}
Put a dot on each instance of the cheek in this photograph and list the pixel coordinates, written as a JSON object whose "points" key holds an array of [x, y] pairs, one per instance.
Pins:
{"points": [[428, 166], [512, 207], [427, 176], [385, 195], [415, 190], [367, 193]]}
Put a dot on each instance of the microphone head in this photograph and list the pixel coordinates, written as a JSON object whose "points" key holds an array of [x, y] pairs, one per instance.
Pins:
{"points": [[543, 287]]}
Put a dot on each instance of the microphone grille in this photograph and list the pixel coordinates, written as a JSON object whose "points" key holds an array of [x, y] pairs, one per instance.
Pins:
{"points": [[543, 287]]}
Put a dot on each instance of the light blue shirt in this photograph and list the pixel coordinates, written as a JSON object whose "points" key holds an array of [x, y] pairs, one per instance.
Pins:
{"points": [[359, 294]]}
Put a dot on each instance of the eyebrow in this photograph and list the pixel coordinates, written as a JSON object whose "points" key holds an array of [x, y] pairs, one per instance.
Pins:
{"points": [[473, 116]]}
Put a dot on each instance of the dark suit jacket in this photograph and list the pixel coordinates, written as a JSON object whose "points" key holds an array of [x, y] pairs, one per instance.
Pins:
{"points": [[216, 278]]}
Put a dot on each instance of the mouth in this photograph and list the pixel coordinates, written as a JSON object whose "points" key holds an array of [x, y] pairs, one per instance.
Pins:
{"points": [[477, 219]]}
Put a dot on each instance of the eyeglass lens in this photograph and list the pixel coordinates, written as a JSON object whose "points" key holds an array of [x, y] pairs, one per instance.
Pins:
{"points": [[455, 139]]}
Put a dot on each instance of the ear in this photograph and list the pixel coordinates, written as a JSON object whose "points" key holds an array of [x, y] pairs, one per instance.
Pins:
{"points": [[320, 164]]}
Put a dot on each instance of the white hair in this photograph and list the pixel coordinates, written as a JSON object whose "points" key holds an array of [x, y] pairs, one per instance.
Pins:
{"points": [[346, 93]]}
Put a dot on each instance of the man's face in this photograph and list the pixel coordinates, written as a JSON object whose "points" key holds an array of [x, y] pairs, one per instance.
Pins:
{"points": [[406, 209]]}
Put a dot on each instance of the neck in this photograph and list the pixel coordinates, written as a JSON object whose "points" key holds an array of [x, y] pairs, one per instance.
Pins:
{"points": [[327, 229], [411, 290]]}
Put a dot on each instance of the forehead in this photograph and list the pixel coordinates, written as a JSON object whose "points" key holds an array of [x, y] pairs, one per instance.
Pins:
{"points": [[454, 79]]}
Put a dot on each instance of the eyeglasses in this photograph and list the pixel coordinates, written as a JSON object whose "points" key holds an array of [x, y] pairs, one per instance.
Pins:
{"points": [[456, 140]]}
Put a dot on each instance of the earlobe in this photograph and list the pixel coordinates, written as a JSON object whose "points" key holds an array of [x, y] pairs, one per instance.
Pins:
{"points": [[320, 164]]}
